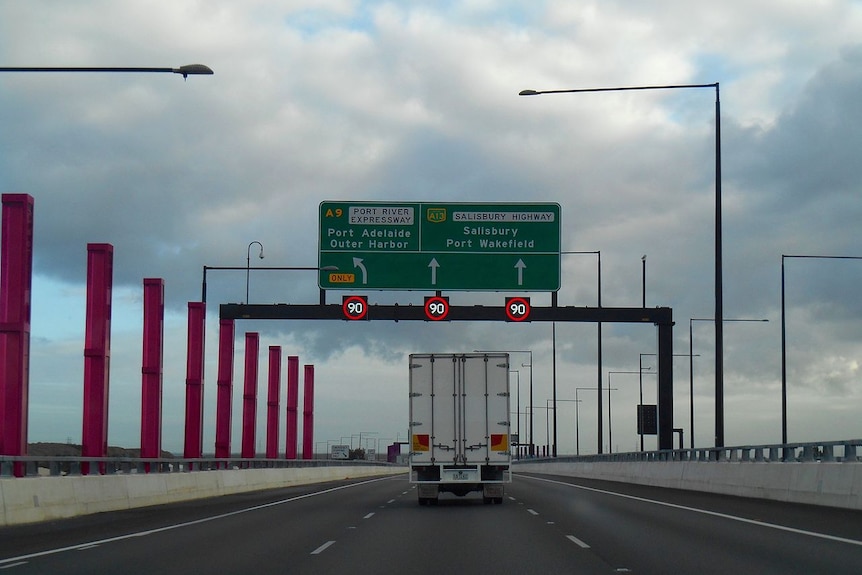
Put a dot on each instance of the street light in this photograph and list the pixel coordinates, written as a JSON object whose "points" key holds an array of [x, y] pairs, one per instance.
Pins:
{"points": [[719, 306], [784, 340], [640, 364], [577, 416], [185, 71], [691, 356], [248, 265], [610, 418], [530, 365], [598, 254], [518, 409]]}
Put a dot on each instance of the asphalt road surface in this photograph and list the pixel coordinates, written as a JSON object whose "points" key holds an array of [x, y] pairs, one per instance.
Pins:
{"points": [[546, 525]]}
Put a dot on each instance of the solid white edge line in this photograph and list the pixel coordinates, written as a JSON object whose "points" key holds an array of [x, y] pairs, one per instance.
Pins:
{"points": [[577, 541], [10, 565], [705, 512], [188, 523], [322, 548]]}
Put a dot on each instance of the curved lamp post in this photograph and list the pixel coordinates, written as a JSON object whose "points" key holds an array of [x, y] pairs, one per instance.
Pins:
{"points": [[185, 71], [248, 265], [719, 307]]}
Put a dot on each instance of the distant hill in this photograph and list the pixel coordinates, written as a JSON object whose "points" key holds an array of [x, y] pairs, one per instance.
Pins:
{"points": [[73, 450]]}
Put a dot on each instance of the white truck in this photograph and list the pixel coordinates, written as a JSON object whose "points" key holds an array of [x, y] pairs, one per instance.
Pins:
{"points": [[460, 425]]}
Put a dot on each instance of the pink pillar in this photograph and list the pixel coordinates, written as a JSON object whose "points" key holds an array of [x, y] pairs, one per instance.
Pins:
{"points": [[97, 351], [249, 394], [16, 271], [194, 436], [272, 402], [151, 367], [308, 414], [224, 384], [292, 406]]}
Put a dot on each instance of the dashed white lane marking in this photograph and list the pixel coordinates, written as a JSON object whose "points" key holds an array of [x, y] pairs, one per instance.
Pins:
{"points": [[577, 541], [533, 512], [391, 501], [856, 542], [369, 516], [10, 560], [322, 548]]}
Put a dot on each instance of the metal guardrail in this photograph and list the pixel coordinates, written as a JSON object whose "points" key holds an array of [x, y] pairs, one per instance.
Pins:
{"points": [[75, 466], [846, 451]]}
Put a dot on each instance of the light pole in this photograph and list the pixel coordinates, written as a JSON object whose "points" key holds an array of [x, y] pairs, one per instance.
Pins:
{"points": [[719, 306], [577, 415], [784, 339], [248, 265], [598, 254], [610, 418], [185, 71], [530, 365], [643, 284], [518, 409], [691, 356]]}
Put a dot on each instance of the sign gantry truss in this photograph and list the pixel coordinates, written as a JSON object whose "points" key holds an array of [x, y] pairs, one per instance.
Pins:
{"points": [[661, 317]]}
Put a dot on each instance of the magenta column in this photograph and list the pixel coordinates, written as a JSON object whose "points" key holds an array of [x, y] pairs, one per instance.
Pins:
{"points": [[292, 406], [16, 272], [97, 351], [308, 414], [194, 436], [151, 368], [249, 394], [272, 402], [224, 384]]}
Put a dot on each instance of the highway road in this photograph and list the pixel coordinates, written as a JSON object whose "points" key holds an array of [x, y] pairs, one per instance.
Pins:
{"points": [[546, 525]]}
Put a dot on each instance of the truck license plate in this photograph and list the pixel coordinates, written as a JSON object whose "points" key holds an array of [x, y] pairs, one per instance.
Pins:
{"points": [[460, 474]]}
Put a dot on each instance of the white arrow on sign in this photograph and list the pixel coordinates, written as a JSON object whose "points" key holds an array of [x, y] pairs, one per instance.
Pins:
{"points": [[433, 265], [520, 265], [357, 263]]}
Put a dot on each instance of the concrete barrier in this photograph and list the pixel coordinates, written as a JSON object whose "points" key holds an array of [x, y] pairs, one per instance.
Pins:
{"points": [[33, 499], [816, 483]]}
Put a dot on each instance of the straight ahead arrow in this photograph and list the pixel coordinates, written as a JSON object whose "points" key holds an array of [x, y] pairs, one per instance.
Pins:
{"points": [[520, 265], [433, 265]]}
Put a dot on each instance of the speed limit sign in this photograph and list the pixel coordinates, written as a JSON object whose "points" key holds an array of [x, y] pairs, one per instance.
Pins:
{"points": [[517, 308], [354, 307], [436, 308]]}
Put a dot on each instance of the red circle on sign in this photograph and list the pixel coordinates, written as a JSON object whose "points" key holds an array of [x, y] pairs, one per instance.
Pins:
{"points": [[436, 308], [354, 307], [517, 308]]}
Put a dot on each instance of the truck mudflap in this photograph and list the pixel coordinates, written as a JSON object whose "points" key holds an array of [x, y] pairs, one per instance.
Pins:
{"points": [[492, 493]]}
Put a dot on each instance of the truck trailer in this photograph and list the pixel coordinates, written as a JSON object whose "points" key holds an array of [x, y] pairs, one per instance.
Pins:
{"points": [[460, 425]]}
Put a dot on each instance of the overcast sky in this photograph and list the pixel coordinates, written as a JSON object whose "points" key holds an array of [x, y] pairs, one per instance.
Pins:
{"points": [[418, 101]]}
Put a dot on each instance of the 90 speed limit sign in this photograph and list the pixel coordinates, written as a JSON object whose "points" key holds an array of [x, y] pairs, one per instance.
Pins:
{"points": [[517, 308], [355, 307], [436, 308]]}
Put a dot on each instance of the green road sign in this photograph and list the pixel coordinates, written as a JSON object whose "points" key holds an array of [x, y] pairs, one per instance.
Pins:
{"points": [[425, 246]]}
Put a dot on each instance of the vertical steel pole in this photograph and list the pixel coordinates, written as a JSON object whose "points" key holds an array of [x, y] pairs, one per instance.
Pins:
{"points": [[194, 440], [272, 402], [292, 406], [308, 414], [249, 394], [16, 271], [719, 305], [224, 384], [97, 352], [151, 368]]}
